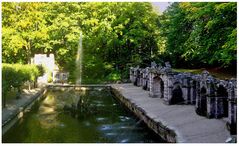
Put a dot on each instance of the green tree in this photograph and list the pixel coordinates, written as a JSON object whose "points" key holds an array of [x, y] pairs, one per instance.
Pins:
{"points": [[15, 75], [200, 34], [113, 35], [24, 31]]}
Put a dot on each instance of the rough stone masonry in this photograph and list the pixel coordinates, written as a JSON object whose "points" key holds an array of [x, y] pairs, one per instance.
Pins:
{"points": [[213, 98]]}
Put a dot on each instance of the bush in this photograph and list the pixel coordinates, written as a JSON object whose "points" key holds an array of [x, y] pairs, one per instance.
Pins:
{"points": [[114, 76], [15, 75], [41, 70], [49, 78]]}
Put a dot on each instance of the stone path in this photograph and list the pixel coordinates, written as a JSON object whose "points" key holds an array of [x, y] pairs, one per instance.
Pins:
{"points": [[15, 106], [188, 126]]}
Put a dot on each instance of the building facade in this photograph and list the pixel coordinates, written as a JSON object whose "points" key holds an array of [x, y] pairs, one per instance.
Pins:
{"points": [[52, 74]]}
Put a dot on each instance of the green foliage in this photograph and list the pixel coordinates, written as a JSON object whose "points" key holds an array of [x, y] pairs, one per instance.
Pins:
{"points": [[24, 31], [113, 33], [41, 69], [15, 75], [117, 35], [200, 34], [114, 76], [49, 78]]}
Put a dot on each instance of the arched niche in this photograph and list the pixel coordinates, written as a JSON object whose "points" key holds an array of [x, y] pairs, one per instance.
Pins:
{"points": [[177, 95], [158, 87], [202, 107], [222, 93], [193, 92]]}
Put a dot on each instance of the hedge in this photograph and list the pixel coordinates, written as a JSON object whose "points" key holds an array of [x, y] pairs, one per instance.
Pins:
{"points": [[15, 75]]}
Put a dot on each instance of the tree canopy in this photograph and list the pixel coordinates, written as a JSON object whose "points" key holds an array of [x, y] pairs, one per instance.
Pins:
{"points": [[200, 34], [114, 34], [117, 35]]}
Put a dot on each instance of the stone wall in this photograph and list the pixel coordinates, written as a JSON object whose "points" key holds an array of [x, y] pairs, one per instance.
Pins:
{"points": [[166, 134], [213, 98]]}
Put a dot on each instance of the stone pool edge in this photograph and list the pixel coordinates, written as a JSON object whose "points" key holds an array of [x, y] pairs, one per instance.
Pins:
{"points": [[21, 109], [166, 133]]}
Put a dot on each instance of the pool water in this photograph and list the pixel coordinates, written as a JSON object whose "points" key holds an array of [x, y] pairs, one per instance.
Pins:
{"points": [[86, 116]]}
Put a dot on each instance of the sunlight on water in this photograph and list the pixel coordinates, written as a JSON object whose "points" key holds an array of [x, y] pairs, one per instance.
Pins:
{"points": [[55, 120]]}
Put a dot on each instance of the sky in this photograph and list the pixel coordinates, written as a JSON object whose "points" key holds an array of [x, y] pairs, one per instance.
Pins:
{"points": [[162, 5]]}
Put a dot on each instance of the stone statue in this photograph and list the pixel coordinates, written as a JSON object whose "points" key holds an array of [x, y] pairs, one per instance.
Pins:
{"points": [[153, 65], [167, 64]]}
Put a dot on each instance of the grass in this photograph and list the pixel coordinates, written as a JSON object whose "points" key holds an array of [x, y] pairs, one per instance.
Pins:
{"points": [[216, 72]]}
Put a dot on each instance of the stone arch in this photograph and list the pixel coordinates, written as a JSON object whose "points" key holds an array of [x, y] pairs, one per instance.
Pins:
{"points": [[162, 89], [141, 78], [145, 85], [158, 90], [194, 93], [202, 107], [137, 78], [177, 95], [222, 93]]}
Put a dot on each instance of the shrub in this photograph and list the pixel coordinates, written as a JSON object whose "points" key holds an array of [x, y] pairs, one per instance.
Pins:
{"points": [[15, 75], [49, 78], [41, 70], [114, 76]]}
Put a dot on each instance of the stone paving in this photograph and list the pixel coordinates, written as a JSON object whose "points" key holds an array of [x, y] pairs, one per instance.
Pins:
{"points": [[13, 107], [182, 119]]}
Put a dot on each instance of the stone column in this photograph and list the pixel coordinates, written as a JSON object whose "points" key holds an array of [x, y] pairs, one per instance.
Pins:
{"points": [[135, 77], [145, 82], [168, 88], [131, 75], [186, 90], [232, 108], [193, 92], [141, 77], [151, 76], [210, 107], [138, 77], [148, 80], [218, 107], [197, 95]]}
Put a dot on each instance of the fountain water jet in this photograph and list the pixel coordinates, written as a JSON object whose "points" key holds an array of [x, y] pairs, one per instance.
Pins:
{"points": [[78, 73], [79, 62]]}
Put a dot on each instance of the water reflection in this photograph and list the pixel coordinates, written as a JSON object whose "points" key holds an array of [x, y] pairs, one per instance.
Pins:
{"points": [[74, 116]]}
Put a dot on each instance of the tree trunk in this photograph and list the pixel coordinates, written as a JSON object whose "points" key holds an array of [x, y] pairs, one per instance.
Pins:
{"points": [[28, 49], [29, 85], [35, 84], [4, 100], [18, 93]]}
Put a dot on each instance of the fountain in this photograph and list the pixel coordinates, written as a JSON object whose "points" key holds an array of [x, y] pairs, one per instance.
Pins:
{"points": [[79, 62], [77, 105]]}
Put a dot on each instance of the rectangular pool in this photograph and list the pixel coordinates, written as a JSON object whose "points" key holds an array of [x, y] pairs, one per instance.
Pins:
{"points": [[80, 116]]}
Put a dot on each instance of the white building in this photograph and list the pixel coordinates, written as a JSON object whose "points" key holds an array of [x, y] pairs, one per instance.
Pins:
{"points": [[52, 73]]}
